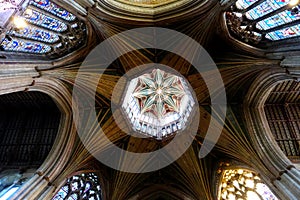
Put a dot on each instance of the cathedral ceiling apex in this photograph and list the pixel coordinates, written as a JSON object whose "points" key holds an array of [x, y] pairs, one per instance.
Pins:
{"points": [[145, 10]]}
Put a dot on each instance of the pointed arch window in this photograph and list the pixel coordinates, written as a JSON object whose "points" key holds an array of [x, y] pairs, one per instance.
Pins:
{"points": [[41, 27], [83, 186], [260, 22], [282, 110], [243, 184]]}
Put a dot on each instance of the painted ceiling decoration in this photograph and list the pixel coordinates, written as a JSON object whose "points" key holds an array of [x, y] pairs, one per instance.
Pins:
{"points": [[147, 3], [144, 7], [158, 103], [259, 22], [41, 28]]}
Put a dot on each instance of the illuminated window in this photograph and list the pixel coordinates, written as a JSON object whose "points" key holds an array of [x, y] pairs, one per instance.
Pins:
{"points": [[158, 103], [265, 8], [261, 21], [44, 21], [242, 4], [11, 180], [53, 9], [84, 186], [242, 184], [13, 44], [42, 27], [8, 192], [31, 32]]}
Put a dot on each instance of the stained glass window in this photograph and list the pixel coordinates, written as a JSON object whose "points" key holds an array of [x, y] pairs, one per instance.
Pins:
{"points": [[35, 34], [53, 9], [43, 28], [242, 4], [11, 180], [12, 44], [242, 184], [284, 33], [7, 9], [265, 8], [45, 21], [84, 186], [271, 20], [277, 20]]}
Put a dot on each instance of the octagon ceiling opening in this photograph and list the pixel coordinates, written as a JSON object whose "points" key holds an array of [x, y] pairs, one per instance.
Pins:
{"points": [[157, 104]]}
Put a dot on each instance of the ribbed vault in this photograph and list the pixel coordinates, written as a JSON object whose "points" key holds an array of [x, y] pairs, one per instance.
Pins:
{"points": [[188, 176]]}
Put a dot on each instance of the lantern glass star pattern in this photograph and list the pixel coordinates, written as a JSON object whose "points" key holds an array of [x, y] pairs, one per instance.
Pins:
{"points": [[158, 104]]}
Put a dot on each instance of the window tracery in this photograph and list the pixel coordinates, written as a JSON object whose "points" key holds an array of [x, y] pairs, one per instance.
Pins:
{"points": [[53, 9], [256, 21], [84, 186], [241, 184], [42, 28]]}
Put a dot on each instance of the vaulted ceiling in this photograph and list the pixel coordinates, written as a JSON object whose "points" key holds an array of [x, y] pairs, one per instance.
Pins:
{"points": [[242, 65]]}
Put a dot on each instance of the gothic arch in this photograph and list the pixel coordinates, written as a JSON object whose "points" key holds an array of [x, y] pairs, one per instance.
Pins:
{"points": [[59, 155], [287, 177]]}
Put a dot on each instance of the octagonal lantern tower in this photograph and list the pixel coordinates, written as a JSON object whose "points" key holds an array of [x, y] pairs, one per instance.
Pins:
{"points": [[158, 104]]}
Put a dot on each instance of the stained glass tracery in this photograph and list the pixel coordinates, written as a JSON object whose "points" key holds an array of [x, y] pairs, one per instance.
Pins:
{"points": [[84, 186], [43, 28], [277, 20], [20, 45], [284, 33], [35, 34], [272, 19], [243, 4], [45, 21], [53, 9], [265, 8], [242, 184]]}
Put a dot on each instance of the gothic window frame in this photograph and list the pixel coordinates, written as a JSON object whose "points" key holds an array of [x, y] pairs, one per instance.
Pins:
{"points": [[75, 185], [246, 30], [226, 168], [283, 119], [47, 40]]}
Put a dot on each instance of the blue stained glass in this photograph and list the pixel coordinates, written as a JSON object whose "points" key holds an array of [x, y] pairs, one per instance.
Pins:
{"points": [[53, 9], [277, 20], [35, 34], [284, 33], [243, 4], [265, 8], [24, 46], [45, 21]]}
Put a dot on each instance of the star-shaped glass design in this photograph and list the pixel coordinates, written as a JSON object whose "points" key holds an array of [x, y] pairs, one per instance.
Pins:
{"points": [[158, 103], [159, 93]]}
